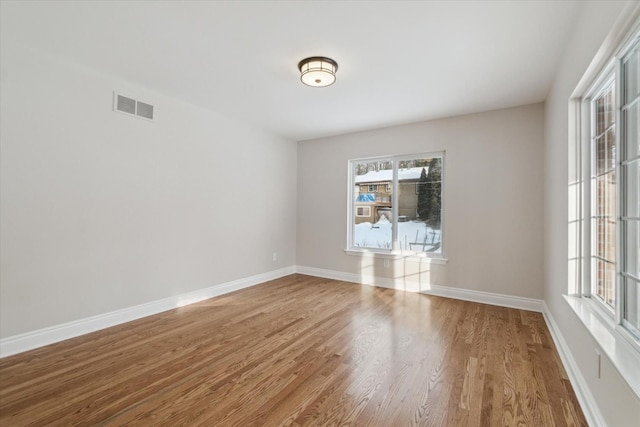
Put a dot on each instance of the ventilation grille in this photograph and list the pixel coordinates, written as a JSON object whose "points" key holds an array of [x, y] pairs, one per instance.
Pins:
{"points": [[128, 105]]}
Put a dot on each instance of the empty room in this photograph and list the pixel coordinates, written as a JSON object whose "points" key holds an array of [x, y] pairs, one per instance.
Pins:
{"points": [[320, 213]]}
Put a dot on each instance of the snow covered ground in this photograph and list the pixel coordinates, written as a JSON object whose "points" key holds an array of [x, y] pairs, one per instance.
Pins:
{"points": [[378, 235]]}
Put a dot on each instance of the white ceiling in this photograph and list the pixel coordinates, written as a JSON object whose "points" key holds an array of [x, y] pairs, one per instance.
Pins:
{"points": [[399, 62]]}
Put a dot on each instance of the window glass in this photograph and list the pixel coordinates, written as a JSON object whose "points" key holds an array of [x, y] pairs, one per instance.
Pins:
{"points": [[633, 248], [631, 119], [419, 204], [632, 178], [630, 72], [373, 228], [397, 203], [632, 305]]}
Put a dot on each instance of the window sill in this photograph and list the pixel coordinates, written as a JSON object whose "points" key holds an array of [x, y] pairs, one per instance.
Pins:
{"points": [[620, 348], [408, 256]]}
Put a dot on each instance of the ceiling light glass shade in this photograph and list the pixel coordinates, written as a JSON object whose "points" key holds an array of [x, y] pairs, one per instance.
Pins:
{"points": [[318, 71]]}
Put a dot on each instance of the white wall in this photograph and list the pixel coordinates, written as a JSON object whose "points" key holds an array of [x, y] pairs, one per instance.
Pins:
{"points": [[617, 403], [102, 211], [492, 195]]}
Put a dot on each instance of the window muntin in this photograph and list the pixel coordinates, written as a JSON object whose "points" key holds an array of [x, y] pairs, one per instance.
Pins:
{"points": [[401, 218]]}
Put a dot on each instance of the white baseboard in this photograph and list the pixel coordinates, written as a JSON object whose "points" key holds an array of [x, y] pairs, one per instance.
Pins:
{"points": [[30, 340], [587, 402], [442, 291]]}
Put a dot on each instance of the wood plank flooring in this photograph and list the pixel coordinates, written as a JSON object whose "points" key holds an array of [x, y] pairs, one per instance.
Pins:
{"points": [[300, 351]]}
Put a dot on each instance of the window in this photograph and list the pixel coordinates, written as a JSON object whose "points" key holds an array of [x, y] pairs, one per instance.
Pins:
{"points": [[405, 221], [630, 189], [603, 195], [604, 208], [363, 211], [373, 188], [611, 241]]}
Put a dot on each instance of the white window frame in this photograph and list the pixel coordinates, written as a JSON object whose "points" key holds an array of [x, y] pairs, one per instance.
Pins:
{"points": [[621, 347], [612, 71], [395, 252], [372, 188]]}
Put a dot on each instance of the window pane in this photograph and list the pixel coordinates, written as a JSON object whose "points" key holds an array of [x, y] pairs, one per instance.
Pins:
{"points": [[632, 199], [606, 239], [420, 204], [632, 139], [601, 155], [605, 152], [600, 115], [372, 204], [632, 245], [609, 106], [605, 275], [630, 71], [605, 196], [631, 304], [610, 154]]}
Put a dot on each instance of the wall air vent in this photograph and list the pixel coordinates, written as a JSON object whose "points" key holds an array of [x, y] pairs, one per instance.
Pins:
{"points": [[124, 104]]}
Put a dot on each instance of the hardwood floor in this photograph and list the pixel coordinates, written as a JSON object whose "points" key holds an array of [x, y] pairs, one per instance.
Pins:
{"points": [[300, 351]]}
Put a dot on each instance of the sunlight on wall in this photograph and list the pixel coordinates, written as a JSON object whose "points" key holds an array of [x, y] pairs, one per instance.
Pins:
{"points": [[407, 274], [367, 269], [189, 300]]}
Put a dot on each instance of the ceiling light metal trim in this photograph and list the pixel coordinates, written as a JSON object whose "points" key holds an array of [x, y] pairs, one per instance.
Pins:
{"points": [[318, 71]]}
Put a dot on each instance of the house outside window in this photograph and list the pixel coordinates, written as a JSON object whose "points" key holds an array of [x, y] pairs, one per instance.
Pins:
{"points": [[401, 220]]}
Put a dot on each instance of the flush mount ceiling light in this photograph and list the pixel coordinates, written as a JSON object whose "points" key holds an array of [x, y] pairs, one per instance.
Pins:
{"points": [[318, 71]]}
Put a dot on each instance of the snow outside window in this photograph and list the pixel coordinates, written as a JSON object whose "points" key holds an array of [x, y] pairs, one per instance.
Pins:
{"points": [[407, 217]]}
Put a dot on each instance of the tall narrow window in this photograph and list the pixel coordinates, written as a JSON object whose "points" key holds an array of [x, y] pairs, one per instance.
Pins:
{"points": [[614, 189], [396, 204], [630, 191], [603, 197]]}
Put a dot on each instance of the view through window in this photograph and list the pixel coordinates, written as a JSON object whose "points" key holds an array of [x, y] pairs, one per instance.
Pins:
{"points": [[403, 198]]}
